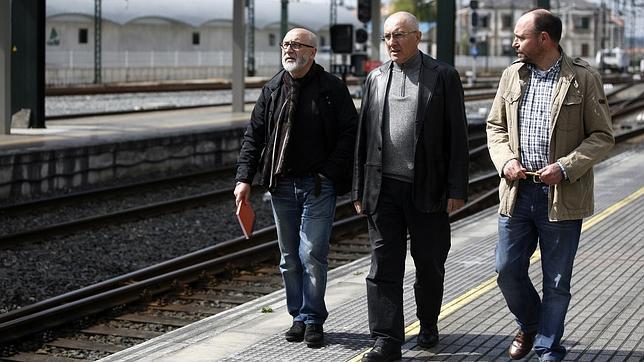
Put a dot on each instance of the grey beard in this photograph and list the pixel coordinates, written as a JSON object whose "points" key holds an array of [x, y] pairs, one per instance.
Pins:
{"points": [[299, 64], [289, 67]]}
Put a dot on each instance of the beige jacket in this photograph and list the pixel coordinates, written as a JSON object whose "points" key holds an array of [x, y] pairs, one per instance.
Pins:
{"points": [[580, 134]]}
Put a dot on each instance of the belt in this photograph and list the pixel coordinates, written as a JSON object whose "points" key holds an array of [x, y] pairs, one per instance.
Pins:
{"points": [[534, 177]]}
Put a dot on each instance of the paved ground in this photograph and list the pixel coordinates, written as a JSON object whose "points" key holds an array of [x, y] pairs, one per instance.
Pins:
{"points": [[605, 319]]}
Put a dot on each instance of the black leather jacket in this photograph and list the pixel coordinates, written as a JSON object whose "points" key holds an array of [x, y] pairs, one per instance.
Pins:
{"points": [[334, 106], [441, 154]]}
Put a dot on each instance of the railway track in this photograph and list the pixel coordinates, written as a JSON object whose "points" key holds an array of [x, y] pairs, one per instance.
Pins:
{"points": [[114, 194], [176, 203], [84, 301], [470, 95], [482, 91], [157, 299], [252, 255]]}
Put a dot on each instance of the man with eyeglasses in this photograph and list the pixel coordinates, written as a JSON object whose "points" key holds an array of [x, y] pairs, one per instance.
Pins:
{"points": [[549, 124], [410, 171], [301, 138]]}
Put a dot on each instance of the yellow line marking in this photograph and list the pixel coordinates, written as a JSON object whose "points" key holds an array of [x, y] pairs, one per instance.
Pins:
{"points": [[412, 330]]}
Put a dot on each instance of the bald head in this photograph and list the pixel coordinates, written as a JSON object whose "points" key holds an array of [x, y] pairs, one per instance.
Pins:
{"points": [[403, 18], [542, 20], [307, 36]]}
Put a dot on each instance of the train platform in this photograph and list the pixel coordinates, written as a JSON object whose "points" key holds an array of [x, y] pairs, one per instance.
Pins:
{"points": [[86, 152], [605, 319], [90, 151]]}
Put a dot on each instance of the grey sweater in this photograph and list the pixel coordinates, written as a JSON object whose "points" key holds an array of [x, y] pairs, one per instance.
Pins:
{"points": [[399, 120]]}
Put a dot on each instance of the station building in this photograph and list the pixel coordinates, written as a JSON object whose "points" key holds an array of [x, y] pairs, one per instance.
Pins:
{"points": [[587, 28], [168, 39], [171, 40]]}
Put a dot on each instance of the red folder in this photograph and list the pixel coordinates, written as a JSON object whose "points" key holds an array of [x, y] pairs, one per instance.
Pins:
{"points": [[246, 218]]}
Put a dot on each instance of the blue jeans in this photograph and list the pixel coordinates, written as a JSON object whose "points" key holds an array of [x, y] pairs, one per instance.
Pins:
{"points": [[558, 241], [304, 223]]}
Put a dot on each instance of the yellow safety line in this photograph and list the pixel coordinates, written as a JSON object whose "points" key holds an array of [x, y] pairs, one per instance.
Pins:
{"points": [[471, 295]]}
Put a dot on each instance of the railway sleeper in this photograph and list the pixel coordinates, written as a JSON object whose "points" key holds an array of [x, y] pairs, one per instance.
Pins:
{"points": [[121, 332]]}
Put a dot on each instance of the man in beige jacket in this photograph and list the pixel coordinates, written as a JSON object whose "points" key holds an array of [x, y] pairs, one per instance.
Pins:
{"points": [[548, 126]]}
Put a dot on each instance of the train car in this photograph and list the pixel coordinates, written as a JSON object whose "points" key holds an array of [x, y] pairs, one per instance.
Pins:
{"points": [[615, 59]]}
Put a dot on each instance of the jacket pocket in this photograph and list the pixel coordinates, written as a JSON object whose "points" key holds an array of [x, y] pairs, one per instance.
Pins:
{"points": [[371, 187], [570, 114], [577, 196], [511, 96]]}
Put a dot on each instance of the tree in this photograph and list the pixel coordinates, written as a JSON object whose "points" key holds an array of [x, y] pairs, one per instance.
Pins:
{"points": [[424, 10]]}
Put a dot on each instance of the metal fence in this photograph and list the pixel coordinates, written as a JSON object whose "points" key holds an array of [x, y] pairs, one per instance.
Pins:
{"points": [[77, 67]]}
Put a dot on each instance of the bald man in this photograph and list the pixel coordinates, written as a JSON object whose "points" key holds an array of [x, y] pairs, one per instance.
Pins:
{"points": [[410, 171], [549, 124], [300, 139]]}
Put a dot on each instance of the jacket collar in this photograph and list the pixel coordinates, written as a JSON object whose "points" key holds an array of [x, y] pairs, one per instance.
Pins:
{"points": [[427, 62], [275, 82], [566, 71], [566, 67]]}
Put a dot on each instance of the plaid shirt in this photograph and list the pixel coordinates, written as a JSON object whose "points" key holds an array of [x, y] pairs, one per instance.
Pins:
{"points": [[534, 116]]}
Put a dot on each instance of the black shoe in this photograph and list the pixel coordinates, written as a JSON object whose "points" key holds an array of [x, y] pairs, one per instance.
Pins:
{"points": [[296, 332], [314, 335], [383, 351], [427, 337]]}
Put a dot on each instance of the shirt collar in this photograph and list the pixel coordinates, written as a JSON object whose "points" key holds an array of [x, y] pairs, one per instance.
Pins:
{"points": [[554, 69]]}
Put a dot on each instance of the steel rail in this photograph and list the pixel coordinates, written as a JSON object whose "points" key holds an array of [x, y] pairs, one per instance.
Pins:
{"points": [[129, 287], [158, 278], [477, 95], [137, 212]]}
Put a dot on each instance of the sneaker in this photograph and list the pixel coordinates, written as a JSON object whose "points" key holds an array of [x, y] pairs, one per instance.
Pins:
{"points": [[296, 332], [314, 335]]}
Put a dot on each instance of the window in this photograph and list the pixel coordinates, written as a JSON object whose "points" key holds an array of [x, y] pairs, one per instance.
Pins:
{"points": [[585, 50], [483, 48], [196, 38], [322, 41], [506, 21], [582, 22], [271, 39], [506, 47], [82, 36], [484, 21], [54, 39]]}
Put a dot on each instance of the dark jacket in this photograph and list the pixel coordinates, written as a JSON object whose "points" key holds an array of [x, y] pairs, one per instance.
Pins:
{"points": [[441, 153], [333, 105]]}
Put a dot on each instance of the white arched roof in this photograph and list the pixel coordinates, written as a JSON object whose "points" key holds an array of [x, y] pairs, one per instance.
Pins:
{"points": [[312, 15]]}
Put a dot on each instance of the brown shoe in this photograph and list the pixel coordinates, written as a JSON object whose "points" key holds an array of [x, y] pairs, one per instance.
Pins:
{"points": [[521, 345]]}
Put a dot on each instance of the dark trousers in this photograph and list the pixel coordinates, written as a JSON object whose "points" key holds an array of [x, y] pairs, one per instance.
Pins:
{"points": [[429, 233]]}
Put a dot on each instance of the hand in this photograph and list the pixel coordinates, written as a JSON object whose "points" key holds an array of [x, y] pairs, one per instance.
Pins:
{"points": [[454, 204], [358, 207], [551, 174], [242, 192], [514, 171]]}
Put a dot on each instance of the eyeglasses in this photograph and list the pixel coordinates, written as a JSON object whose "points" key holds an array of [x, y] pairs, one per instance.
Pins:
{"points": [[396, 35], [294, 45]]}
